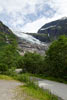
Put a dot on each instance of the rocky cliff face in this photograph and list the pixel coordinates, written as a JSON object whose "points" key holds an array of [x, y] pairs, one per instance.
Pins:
{"points": [[5, 29], [26, 46], [53, 29]]}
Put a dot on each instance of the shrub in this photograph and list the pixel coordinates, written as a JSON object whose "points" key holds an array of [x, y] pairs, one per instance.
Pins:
{"points": [[3, 68]]}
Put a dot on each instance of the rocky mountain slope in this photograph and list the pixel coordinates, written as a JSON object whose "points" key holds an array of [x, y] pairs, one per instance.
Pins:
{"points": [[26, 43], [4, 28], [53, 30], [6, 36], [26, 46]]}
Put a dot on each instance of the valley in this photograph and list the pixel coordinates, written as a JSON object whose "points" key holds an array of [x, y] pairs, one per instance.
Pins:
{"points": [[44, 54]]}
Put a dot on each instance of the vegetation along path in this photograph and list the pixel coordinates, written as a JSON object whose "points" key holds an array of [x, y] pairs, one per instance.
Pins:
{"points": [[56, 88], [7, 88]]}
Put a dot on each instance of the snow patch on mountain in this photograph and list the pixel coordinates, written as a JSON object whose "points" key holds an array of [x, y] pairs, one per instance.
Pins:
{"points": [[27, 37], [48, 27]]}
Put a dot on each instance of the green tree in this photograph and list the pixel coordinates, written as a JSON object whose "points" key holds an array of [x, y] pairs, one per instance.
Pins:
{"points": [[33, 63], [56, 58], [9, 57]]}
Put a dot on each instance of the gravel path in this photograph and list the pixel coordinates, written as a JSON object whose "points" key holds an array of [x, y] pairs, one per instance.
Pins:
{"points": [[7, 89], [56, 88]]}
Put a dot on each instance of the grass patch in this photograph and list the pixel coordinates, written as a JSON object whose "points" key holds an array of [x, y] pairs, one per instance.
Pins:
{"points": [[49, 78], [32, 91], [38, 93], [5, 77]]}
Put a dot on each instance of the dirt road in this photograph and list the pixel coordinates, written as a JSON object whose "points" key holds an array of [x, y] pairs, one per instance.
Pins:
{"points": [[7, 89]]}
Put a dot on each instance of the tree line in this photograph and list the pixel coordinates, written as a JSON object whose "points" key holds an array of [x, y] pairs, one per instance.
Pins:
{"points": [[53, 63]]}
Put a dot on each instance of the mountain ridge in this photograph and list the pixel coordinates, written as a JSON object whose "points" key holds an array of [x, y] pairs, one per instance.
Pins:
{"points": [[54, 29]]}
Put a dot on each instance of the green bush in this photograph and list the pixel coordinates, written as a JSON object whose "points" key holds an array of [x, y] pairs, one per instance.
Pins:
{"points": [[11, 72], [3, 68], [23, 78]]}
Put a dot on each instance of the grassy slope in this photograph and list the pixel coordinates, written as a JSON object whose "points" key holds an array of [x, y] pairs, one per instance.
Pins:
{"points": [[37, 93], [5, 77]]}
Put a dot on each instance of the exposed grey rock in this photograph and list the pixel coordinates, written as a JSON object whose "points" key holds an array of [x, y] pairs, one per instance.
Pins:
{"points": [[25, 46]]}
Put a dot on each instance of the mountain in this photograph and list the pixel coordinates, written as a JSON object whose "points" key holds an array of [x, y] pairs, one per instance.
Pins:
{"points": [[26, 43], [6, 36], [4, 28], [52, 30]]}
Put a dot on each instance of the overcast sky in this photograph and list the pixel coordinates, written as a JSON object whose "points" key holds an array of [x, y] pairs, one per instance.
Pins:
{"points": [[30, 15]]}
